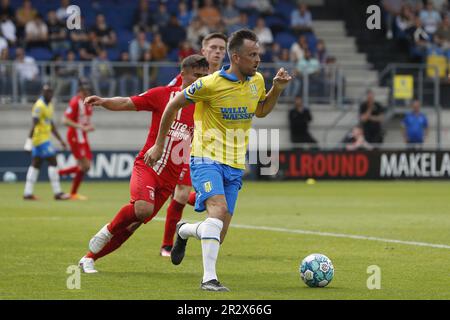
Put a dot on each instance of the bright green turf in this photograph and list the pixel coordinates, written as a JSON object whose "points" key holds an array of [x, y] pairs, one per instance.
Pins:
{"points": [[39, 240]]}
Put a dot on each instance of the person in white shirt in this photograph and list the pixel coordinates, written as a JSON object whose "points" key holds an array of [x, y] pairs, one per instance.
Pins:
{"points": [[8, 29], [430, 18]]}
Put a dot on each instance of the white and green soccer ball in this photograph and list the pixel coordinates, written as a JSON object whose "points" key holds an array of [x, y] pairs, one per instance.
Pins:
{"points": [[316, 270], [9, 177]]}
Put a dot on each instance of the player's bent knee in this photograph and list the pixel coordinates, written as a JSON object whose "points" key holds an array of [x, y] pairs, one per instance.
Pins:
{"points": [[182, 194], [143, 209]]}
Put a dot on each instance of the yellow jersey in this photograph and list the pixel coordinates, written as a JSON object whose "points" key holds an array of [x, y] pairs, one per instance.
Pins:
{"points": [[224, 108], [44, 113]]}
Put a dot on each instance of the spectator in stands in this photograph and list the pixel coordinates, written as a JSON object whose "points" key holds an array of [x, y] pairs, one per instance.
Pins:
{"points": [[440, 5], [308, 65], [105, 34], [27, 71], [371, 115], [142, 17], [262, 7], [301, 19], [299, 120], [421, 40], [160, 18], [230, 14], [89, 50], [282, 61], [158, 48], [430, 18], [61, 12], [138, 47], [403, 22], [5, 74], [24, 14], [415, 126], [241, 24], [173, 34], [298, 48], [128, 82], [185, 50], [321, 51], [3, 42], [102, 73], [79, 37], [67, 74], [184, 14], [264, 34], [6, 9], [392, 8], [158, 52], [36, 33], [210, 15], [8, 29], [57, 33], [443, 32], [355, 141], [196, 32]]}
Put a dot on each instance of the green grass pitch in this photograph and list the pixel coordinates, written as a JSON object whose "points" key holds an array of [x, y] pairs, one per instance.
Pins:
{"points": [[40, 240]]}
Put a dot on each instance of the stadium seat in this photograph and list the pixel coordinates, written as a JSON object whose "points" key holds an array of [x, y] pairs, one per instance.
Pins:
{"points": [[43, 54], [285, 39], [165, 75]]}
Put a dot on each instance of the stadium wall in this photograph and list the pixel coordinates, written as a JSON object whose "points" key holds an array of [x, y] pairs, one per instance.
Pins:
{"points": [[289, 165]]}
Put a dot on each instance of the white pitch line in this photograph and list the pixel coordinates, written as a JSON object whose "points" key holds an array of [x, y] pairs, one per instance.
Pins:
{"points": [[336, 235]]}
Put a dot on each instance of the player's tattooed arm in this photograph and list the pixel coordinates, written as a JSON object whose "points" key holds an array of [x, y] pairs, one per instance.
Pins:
{"points": [[155, 152], [280, 82], [113, 104]]}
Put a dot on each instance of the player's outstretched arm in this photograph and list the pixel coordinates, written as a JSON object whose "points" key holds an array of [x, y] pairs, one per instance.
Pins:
{"points": [[113, 104], [155, 152], [280, 82]]}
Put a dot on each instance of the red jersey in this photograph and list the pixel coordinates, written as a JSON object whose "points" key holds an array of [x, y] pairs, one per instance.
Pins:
{"points": [[176, 82], [177, 145], [80, 113]]}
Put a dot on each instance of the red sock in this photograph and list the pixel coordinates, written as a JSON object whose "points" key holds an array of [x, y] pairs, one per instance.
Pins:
{"points": [[69, 170], [123, 219], [191, 200], [174, 212], [79, 175], [116, 241]]}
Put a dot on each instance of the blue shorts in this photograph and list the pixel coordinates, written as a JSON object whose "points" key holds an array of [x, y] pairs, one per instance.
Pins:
{"points": [[210, 178], [44, 150]]}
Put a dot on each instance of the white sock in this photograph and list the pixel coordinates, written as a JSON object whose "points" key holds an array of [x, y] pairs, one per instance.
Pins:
{"points": [[54, 179], [189, 230], [32, 176], [209, 231]]}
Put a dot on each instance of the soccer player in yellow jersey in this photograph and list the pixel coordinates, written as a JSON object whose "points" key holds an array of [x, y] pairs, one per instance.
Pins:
{"points": [[41, 147], [226, 101]]}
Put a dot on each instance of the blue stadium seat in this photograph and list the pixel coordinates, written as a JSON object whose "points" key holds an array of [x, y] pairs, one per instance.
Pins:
{"points": [[284, 9], [285, 39], [113, 54], [173, 55], [124, 37], [42, 54], [165, 75]]}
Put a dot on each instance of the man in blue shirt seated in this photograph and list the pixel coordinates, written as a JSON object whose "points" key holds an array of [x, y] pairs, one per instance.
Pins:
{"points": [[415, 126]]}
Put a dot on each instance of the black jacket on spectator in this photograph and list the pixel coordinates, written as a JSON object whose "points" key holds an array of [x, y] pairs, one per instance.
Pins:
{"points": [[298, 122], [373, 131]]}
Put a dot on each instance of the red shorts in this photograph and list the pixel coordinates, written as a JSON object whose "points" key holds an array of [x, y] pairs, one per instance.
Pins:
{"points": [[185, 176], [80, 150], [146, 185]]}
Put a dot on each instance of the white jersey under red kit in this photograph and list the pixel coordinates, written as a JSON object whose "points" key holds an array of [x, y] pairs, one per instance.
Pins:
{"points": [[177, 144], [79, 113]]}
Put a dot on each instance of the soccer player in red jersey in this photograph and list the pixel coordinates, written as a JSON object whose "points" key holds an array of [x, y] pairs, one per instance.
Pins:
{"points": [[213, 49], [150, 187], [78, 119]]}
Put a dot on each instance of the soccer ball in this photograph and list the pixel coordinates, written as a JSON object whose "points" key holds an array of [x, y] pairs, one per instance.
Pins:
{"points": [[9, 177], [316, 270]]}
